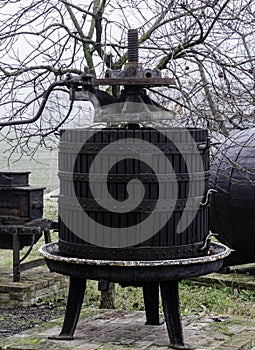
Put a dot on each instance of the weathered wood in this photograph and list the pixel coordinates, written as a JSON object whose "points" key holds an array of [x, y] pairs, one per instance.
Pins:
{"points": [[15, 237], [31, 264], [23, 201], [14, 178]]}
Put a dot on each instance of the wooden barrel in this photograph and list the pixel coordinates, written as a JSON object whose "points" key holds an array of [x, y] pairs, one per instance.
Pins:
{"points": [[233, 206], [166, 243]]}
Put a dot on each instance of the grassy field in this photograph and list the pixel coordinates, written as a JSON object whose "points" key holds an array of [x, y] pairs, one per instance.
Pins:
{"points": [[43, 166]]}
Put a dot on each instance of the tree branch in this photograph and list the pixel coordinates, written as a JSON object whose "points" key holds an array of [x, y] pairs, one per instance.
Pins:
{"points": [[86, 47], [180, 51]]}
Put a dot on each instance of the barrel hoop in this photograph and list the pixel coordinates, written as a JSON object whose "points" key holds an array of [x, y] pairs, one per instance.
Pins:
{"points": [[92, 148], [146, 206], [132, 253], [120, 178]]}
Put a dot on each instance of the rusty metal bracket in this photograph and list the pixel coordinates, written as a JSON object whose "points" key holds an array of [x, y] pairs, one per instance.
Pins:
{"points": [[133, 105]]}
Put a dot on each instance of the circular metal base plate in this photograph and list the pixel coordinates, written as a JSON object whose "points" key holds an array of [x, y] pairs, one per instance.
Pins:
{"points": [[134, 271]]}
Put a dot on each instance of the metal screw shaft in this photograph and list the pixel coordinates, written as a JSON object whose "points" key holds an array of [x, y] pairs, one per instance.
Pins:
{"points": [[133, 46]]}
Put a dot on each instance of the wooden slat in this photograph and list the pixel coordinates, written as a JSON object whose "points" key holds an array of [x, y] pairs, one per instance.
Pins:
{"points": [[31, 264]]}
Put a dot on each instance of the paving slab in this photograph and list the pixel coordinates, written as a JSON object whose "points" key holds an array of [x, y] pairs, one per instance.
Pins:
{"points": [[239, 276], [118, 329]]}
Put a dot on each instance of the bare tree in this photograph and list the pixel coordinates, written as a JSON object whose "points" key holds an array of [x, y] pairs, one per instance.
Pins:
{"points": [[207, 45]]}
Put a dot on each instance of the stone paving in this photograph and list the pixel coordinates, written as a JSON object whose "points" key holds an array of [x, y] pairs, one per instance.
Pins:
{"points": [[240, 276], [116, 330]]}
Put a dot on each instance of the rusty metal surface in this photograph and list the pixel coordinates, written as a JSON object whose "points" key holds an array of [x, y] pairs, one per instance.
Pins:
{"points": [[216, 252]]}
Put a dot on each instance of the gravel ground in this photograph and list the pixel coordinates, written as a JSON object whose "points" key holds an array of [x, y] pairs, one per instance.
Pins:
{"points": [[14, 321]]}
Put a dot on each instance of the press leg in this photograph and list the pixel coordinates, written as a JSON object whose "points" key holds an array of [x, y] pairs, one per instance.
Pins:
{"points": [[151, 303], [171, 308], [75, 298], [47, 237]]}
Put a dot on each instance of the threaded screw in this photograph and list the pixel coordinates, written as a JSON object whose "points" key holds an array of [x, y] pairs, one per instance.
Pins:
{"points": [[133, 46]]}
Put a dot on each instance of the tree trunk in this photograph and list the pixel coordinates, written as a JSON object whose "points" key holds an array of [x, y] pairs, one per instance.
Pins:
{"points": [[107, 298]]}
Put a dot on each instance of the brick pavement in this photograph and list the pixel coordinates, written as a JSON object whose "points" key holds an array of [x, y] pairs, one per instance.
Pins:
{"points": [[116, 330]]}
